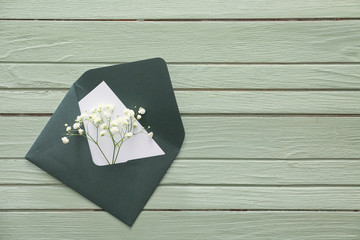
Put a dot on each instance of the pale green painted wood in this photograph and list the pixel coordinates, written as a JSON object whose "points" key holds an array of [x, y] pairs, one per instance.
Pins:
{"points": [[157, 9], [218, 171], [319, 148], [193, 197], [35, 101], [66, 41], [229, 137], [17, 75], [207, 225]]}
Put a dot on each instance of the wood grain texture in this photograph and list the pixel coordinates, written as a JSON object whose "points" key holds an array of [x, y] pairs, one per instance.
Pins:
{"points": [[193, 197], [218, 171], [157, 9], [277, 175], [230, 137], [182, 225], [200, 76], [97, 41], [347, 102]]}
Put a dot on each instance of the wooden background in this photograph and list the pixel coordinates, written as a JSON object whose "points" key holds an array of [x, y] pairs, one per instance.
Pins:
{"points": [[269, 93]]}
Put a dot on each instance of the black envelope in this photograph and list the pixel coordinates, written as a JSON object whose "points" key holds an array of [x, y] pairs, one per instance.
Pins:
{"points": [[120, 189]]}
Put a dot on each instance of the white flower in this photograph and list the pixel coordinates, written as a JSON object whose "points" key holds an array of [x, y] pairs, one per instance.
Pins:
{"points": [[102, 133], [141, 110], [131, 113], [126, 111], [76, 125], [66, 125], [123, 120], [151, 134], [68, 129], [138, 117], [81, 131], [114, 130], [96, 120], [65, 140], [81, 118], [129, 134], [107, 114], [135, 125], [104, 126], [113, 123], [84, 116]]}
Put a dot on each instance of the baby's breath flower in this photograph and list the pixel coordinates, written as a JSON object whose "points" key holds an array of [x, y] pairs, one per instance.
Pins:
{"points": [[76, 125], [107, 114], [131, 113], [65, 140], [114, 130], [124, 120], [96, 120], [141, 110], [101, 117]]}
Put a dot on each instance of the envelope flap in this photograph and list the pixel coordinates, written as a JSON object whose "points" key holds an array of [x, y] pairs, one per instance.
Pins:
{"points": [[144, 83]]}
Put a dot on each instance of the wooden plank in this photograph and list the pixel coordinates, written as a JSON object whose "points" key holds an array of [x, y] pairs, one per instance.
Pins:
{"points": [[182, 225], [347, 102], [193, 197], [200, 76], [157, 9], [259, 41], [217, 171], [229, 137]]}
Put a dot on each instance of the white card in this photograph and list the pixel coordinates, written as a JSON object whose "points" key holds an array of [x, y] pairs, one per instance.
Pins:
{"points": [[138, 146]]}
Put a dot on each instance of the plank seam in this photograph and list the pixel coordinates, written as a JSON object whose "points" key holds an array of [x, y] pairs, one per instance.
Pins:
{"points": [[186, 20], [195, 185], [215, 114], [192, 63], [214, 89], [179, 210], [234, 159]]}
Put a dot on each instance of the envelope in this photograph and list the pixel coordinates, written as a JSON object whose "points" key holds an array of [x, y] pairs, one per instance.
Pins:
{"points": [[121, 189]]}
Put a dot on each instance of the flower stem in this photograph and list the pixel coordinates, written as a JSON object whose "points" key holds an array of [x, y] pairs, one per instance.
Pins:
{"points": [[122, 141], [113, 159], [92, 139], [102, 153]]}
